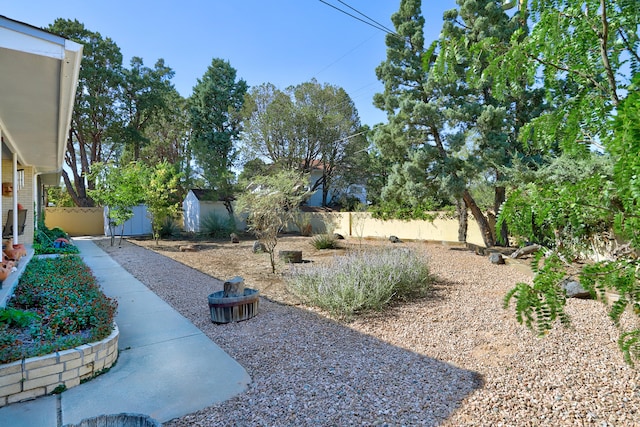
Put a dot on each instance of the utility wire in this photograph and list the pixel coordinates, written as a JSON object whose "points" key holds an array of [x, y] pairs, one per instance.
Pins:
{"points": [[370, 19], [376, 26]]}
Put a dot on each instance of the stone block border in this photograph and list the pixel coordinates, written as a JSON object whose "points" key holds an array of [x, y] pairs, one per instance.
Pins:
{"points": [[37, 376]]}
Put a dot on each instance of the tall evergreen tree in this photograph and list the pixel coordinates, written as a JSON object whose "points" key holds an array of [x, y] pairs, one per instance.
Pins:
{"points": [[144, 96], [215, 107]]}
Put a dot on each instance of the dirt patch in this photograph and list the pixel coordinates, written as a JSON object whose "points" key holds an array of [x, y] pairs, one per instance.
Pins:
{"points": [[223, 259]]}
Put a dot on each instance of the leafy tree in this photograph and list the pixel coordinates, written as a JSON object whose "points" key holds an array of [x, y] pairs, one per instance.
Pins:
{"points": [[113, 108], [271, 202], [119, 189], [95, 118], [253, 168], [59, 197], [586, 53], [168, 136], [308, 126], [216, 124], [145, 94], [159, 193]]}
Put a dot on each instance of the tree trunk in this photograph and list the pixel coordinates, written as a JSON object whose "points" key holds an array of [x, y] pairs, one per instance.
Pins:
{"points": [[483, 223], [462, 214], [502, 235]]}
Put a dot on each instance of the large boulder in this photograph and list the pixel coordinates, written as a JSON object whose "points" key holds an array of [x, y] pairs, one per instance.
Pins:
{"points": [[574, 289]]}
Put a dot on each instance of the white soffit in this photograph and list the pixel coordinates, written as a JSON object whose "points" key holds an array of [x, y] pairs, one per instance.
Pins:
{"points": [[38, 80]]}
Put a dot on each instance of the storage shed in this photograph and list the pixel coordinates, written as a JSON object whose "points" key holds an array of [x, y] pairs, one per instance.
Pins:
{"points": [[199, 204]]}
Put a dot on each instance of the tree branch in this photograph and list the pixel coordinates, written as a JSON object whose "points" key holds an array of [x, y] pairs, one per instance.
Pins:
{"points": [[603, 52]]}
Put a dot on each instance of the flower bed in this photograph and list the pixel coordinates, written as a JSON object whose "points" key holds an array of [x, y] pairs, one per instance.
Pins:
{"points": [[57, 305], [36, 376], [57, 329]]}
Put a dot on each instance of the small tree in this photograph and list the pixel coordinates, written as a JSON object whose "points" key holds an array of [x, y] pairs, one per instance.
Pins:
{"points": [[118, 189], [271, 202], [160, 189]]}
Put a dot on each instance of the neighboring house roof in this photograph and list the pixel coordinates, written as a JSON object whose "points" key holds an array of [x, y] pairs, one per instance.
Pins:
{"points": [[38, 80]]}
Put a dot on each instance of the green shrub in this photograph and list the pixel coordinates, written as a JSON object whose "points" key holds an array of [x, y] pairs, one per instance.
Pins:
{"points": [[324, 241], [213, 225], [169, 228], [66, 308], [44, 241], [361, 281]]}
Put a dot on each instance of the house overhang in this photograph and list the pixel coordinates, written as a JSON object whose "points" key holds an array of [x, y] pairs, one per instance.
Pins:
{"points": [[38, 80]]}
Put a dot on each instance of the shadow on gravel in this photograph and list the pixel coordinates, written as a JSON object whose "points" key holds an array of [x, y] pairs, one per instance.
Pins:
{"points": [[307, 369]]}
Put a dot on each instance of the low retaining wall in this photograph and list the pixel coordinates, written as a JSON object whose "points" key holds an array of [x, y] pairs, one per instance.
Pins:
{"points": [[30, 378]]}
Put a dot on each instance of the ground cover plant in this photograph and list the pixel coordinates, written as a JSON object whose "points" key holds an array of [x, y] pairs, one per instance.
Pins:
{"points": [[361, 281], [56, 305], [52, 241]]}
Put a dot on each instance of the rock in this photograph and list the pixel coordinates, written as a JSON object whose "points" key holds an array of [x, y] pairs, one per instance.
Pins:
{"points": [[234, 238], [338, 236], [189, 248], [234, 287], [394, 239], [574, 289], [496, 258], [258, 247]]}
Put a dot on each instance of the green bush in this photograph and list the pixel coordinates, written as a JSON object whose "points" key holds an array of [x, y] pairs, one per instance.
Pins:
{"points": [[361, 281], [44, 241], [169, 228], [56, 305], [213, 225], [324, 241]]}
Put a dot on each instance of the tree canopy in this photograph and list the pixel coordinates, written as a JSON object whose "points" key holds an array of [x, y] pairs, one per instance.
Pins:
{"points": [[306, 127], [214, 115]]}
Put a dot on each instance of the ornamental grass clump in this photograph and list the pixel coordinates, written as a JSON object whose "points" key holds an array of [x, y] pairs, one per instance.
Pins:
{"points": [[361, 281], [56, 305], [324, 241]]}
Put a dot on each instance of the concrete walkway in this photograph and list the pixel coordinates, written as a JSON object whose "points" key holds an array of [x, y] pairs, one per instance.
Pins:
{"points": [[167, 367]]}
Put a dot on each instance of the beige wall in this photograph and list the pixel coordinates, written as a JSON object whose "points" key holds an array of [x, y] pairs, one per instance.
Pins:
{"points": [[363, 225], [89, 222], [76, 221]]}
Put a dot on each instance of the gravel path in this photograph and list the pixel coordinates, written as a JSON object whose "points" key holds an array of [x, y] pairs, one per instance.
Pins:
{"points": [[456, 358]]}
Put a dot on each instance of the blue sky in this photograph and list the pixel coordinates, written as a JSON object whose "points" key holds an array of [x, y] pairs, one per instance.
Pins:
{"points": [[284, 42]]}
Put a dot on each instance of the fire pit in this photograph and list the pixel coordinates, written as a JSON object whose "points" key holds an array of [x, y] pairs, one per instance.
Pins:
{"points": [[235, 303]]}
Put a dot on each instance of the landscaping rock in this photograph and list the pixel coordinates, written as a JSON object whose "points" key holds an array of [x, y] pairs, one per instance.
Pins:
{"points": [[496, 258], [258, 247], [235, 238], [338, 236], [574, 289], [234, 287], [394, 239]]}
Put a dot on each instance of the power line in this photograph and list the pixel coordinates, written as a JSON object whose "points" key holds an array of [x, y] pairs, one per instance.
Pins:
{"points": [[370, 19], [376, 25]]}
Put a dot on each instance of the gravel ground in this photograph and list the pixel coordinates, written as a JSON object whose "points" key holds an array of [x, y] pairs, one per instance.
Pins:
{"points": [[455, 358]]}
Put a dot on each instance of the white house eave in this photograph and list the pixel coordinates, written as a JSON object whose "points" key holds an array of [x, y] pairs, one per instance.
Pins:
{"points": [[38, 80]]}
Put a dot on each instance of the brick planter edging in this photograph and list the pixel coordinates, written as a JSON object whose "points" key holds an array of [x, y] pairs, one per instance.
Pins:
{"points": [[37, 376]]}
